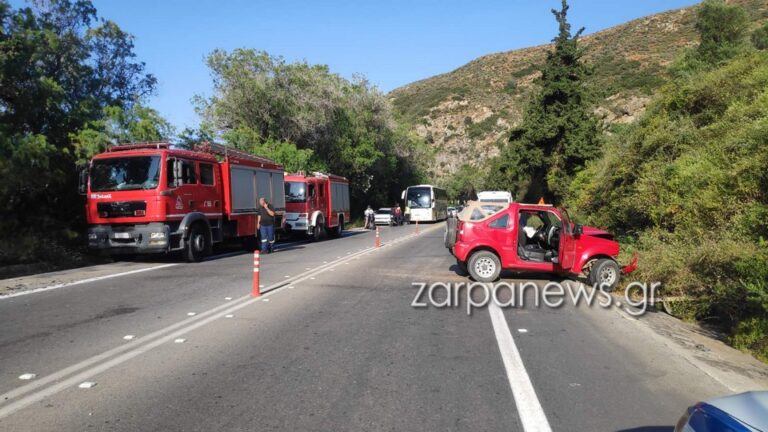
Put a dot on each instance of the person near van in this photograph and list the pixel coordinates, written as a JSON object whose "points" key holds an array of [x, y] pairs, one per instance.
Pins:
{"points": [[398, 214], [265, 223]]}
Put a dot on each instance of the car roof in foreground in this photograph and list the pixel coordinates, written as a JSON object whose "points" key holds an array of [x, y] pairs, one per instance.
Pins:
{"points": [[750, 407]]}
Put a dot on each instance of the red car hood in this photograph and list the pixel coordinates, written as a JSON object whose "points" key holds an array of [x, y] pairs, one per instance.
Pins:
{"points": [[596, 232]]}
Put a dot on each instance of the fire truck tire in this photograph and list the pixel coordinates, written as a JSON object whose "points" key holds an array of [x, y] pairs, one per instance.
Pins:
{"points": [[198, 244], [338, 230], [250, 243], [319, 231]]}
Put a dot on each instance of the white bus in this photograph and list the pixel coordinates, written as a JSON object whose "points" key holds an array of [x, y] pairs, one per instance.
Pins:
{"points": [[425, 203], [495, 196]]}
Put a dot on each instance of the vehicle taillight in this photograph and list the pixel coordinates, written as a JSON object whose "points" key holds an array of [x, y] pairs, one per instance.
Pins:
{"points": [[140, 213]]}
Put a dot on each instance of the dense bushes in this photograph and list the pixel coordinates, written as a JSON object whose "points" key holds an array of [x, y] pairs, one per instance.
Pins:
{"points": [[687, 185]]}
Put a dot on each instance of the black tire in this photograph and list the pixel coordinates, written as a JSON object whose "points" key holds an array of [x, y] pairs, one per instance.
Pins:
{"points": [[198, 244], [251, 243], [450, 232], [338, 231], [319, 232], [484, 266], [605, 272]]}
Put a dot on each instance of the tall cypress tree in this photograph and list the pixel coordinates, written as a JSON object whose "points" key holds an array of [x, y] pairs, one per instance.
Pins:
{"points": [[559, 132]]}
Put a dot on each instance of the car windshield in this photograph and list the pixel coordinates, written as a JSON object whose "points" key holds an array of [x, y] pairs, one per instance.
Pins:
{"points": [[295, 192], [419, 197], [125, 173], [384, 211]]}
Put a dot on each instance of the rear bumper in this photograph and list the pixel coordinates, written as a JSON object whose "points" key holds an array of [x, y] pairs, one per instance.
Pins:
{"points": [[632, 266], [460, 251], [122, 239]]}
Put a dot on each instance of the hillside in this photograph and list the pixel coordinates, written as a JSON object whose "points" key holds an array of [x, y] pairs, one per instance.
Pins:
{"points": [[463, 113]]}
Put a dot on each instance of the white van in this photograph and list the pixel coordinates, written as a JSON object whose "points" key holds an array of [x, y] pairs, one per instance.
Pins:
{"points": [[494, 196]]}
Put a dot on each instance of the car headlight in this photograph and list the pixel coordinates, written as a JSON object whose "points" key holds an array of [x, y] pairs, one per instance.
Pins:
{"points": [[157, 235]]}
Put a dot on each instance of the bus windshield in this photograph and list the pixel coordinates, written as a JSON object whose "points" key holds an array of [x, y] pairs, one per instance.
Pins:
{"points": [[419, 197], [295, 192], [125, 173]]}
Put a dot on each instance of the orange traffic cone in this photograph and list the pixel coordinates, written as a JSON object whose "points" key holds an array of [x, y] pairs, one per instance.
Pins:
{"points": [[541, 201]]}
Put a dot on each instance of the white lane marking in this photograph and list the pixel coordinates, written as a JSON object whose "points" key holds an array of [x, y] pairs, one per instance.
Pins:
{"points": [[229, 316], [87, 385], [117, 355], [528, 406], [27, 376], [191, 313], [227, 298], [522, 330], [82, 281], [265, 300], [129, 337], [179, 340]]}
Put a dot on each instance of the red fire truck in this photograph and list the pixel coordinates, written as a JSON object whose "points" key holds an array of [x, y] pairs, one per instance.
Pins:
{"points": [[316, 204], [153, 198]]}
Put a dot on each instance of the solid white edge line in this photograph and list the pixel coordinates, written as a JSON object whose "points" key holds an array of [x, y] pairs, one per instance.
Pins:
{"points": [[528, 406], [83, 281]]}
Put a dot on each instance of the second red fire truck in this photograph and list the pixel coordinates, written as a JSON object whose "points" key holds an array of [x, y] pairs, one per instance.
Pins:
{"points": [[316, 204]]}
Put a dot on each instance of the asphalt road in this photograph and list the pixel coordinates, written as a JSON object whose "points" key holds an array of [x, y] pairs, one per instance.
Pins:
{"points": [[334, 345]]}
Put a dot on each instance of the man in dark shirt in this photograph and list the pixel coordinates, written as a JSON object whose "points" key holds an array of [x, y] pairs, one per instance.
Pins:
{"points": [[265, 222]]}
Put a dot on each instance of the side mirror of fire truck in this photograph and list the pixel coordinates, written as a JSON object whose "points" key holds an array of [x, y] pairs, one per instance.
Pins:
{"points": [[82, 184]]}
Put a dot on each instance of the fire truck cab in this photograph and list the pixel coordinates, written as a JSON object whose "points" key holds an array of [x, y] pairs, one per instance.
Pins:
{"points": [[153, 198]]}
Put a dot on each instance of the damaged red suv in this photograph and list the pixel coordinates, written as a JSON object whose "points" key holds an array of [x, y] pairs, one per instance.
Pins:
{"points": [[487, 238]]}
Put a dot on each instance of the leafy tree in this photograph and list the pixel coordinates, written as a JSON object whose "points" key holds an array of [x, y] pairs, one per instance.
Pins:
{"points": [[559, 132], [136, 124], [722, 29], [722, 32], [61, 66], [306, 116]]}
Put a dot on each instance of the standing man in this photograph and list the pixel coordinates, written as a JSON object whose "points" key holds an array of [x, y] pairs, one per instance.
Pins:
{"points": [[398, 214], [265, 222]]}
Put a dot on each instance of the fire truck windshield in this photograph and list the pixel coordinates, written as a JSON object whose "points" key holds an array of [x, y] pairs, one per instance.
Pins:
{"points": [[125, 173], [295, 192]]}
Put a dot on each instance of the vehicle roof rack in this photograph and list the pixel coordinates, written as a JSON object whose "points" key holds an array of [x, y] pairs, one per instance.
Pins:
{"points": [[139, 145], [229, 152]]}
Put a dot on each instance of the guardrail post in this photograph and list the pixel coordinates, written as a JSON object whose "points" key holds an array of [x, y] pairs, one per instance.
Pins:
{"points": [[255, 289]]}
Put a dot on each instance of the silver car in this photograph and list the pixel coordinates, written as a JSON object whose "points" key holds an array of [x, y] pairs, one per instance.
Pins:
{"points": [[384, 216]]}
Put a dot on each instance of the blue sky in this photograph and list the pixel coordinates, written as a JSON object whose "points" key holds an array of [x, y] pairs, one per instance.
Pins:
{"points": [[392, 43]]}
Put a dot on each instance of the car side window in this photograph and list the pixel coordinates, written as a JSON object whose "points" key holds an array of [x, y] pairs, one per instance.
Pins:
{"points": [[501, 222]]}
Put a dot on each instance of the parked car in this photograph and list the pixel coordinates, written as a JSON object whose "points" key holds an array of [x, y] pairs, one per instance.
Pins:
{"points": [[743, 412], [488, 237], [384, 216]]}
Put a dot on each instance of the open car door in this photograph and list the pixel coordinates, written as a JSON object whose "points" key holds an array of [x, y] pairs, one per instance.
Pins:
{"points": [[567, 253]]}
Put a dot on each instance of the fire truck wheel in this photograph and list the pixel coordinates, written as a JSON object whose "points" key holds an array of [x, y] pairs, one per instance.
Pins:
{"points": [[339, 230], [319, 231], [197, 244], [250, 243]]}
